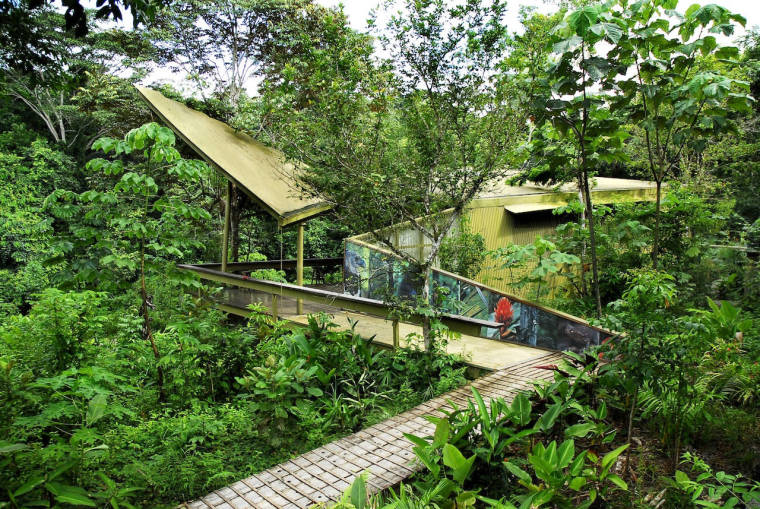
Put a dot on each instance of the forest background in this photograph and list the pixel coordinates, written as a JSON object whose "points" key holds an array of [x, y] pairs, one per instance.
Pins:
{"points": [[120, 385]]}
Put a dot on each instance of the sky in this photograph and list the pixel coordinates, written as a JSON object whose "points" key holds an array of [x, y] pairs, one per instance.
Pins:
{"points": [[358, 11]]}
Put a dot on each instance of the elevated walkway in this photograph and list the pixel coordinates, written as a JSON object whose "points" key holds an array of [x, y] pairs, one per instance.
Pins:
{"points": [[321, 475], [476, 351]]}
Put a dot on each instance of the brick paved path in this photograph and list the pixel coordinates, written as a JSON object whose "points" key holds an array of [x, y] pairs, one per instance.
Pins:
{"points": [[321, 475]]}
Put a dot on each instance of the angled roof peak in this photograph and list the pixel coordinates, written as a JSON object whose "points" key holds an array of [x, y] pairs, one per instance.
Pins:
{"points": [[263, 173]]}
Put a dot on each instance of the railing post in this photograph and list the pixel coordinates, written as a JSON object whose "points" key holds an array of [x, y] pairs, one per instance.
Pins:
{"points": [[226, 229], [275, 305], [396, 335], [299, 267]]}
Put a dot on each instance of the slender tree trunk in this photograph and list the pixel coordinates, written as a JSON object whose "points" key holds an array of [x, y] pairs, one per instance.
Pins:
{"points": [[584, 286], [629, 434], [147, 330], [592, 241], [427, 334], [635, 400], [677, 444], [657, 218]]}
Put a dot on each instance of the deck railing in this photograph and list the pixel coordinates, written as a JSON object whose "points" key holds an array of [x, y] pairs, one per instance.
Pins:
{"points": [[373, 272], [274, 264], [373, 307]]}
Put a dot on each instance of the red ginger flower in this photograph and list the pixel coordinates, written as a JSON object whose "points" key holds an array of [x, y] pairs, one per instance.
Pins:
{"points": [[504, 311]]}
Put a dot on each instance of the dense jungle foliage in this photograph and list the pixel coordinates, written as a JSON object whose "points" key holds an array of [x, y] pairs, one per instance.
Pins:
{"points": [[122, 386]]}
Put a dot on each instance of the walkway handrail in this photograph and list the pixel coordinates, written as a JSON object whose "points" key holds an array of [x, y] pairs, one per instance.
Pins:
{"points": [[373, 307], [273, 264]]}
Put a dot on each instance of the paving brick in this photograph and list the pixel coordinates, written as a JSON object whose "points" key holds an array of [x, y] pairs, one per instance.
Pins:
{"points": [[213, 499], [253, 498], [239, 503]]}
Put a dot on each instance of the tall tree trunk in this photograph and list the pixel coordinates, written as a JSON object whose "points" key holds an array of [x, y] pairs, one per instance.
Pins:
{"points": [[592, 241], [147, 331], [657, 219], [427, 332], [584, 286]]}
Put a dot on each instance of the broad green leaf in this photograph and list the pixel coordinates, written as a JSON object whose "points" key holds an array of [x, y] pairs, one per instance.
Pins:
{"points": [[421, 442], [521, 410], [454, 459], [577, 465], [681, 477], [609, 30], [12, 448], [617, 481], [579, 430], [577, 483], [359, 492], [567, 44], [565, 453], [547, 420], [583, 18], [73, 495], [542, 497], [518, 472], [441, 435], [484, 417], [315, 391], [96, 409], [28, 486], [611, 456]]}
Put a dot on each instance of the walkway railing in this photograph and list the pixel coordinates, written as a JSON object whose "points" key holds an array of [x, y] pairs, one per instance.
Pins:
{"points": [[275, 264], [372, 307], [372, 271]]}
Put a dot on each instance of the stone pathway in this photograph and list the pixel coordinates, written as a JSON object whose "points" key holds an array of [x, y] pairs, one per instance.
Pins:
{"points": [[321, 475]]}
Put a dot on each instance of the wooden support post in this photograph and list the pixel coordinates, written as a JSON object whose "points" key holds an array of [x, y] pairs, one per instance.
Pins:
{"points": [[226, 230], [275, 306], [396, 335], [299, 267]]}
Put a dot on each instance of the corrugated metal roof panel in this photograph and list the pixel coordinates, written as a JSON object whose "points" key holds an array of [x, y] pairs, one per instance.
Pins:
{"points": [[502, 188]]}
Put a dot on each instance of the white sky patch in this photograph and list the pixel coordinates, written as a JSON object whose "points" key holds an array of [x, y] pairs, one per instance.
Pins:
{"points": [[358, 11]]}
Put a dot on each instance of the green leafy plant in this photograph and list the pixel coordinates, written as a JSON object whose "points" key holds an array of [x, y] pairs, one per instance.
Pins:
{"points": [[535, 263], [463, 252], [713, 489], [560, 472]]}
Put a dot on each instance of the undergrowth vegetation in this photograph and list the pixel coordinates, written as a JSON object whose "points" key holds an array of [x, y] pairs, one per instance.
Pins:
{"points": [[625, 425], [83, 423], [121, 385]]}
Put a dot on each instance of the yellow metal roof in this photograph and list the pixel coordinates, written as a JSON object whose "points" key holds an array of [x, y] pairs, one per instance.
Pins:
{"points": [[531, 197], [262, 172], [502, 188]]}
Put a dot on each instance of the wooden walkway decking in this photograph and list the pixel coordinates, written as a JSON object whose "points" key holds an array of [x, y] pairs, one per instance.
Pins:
{"points": [[477, 351], [322, 474]]}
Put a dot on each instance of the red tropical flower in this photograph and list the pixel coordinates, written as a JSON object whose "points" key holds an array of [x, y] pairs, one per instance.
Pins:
{"points": [[504, 311]]}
